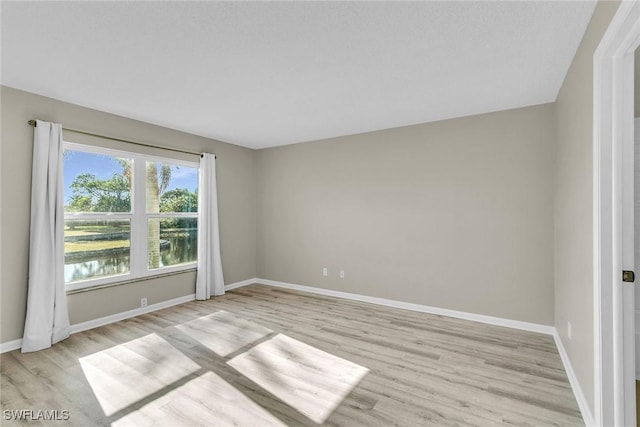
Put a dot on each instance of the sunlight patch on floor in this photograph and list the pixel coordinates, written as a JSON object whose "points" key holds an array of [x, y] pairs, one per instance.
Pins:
{"points": [[127, 373], [310, 380], [223, 332], [207, 397]]}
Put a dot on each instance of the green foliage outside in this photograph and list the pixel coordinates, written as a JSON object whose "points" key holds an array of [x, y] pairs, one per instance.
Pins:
{"points": [[92, 194], [179, 200]]}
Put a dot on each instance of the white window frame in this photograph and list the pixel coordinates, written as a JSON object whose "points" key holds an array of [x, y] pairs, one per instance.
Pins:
{"points": [[138, 250]]}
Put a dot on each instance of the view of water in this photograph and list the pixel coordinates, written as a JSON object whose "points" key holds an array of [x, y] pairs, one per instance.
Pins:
{"points": [[182, 249]]}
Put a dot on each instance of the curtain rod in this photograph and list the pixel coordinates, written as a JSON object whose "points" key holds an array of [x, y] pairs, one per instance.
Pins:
{"points": [[33, 123]]}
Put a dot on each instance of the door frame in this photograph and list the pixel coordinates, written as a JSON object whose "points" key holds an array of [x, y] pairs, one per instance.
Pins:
{"points": [[614, 364]]}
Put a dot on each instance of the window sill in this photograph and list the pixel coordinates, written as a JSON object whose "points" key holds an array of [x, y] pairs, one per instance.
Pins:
{"points": [[128, 281]]}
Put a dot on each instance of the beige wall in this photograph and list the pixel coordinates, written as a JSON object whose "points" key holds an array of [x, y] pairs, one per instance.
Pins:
{"points": [[574, 204], [236, 189], [454, 214]]}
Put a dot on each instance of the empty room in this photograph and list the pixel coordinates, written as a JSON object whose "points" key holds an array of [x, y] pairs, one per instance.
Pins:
{"points": [[319, 213]]}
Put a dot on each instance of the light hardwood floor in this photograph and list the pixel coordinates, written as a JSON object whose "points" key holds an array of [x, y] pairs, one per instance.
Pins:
{"points": [[266, 356]]}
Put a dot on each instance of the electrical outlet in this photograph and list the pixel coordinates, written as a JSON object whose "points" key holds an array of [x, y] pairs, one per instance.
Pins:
{"points": [[325, 272], [143, 302], [569, 330], [342, 274]]}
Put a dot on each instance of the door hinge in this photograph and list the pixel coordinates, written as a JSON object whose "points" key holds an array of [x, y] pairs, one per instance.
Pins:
{"points": [[628, 276]]}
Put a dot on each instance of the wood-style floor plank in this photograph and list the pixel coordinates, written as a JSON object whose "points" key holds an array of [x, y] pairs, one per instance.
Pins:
{"points": [[267, 356]]}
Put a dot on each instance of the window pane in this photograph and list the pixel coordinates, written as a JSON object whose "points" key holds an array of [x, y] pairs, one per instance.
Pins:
{"points": [[95, 248], [171, 188], [172, 241], [96, 182]]}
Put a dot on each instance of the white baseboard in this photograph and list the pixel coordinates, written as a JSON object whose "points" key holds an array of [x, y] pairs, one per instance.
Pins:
{"points": [[509, 323], [101, 321], [94, 323], [237, 285], [587, 416], [10, 345]]}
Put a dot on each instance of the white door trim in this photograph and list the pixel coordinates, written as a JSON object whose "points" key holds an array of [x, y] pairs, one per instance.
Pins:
{"points": [[613, 117]]}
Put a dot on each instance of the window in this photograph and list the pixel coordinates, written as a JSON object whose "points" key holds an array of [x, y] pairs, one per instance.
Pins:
{"points": [[172, 214], [127, 215]]}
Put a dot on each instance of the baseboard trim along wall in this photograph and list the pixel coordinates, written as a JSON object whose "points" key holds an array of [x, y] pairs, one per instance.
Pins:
{"points": [[240, 284], [526, 326], [10, 345], [587, 416], [498, 321], [94, 323], [101, 321]]}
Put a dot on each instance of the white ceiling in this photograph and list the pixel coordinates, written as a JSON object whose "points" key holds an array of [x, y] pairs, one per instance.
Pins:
{"points": [[267, 74]]}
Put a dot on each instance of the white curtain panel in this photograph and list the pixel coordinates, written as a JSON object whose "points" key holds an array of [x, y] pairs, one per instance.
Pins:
{"points": [[47, 320], [209, 279]]}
